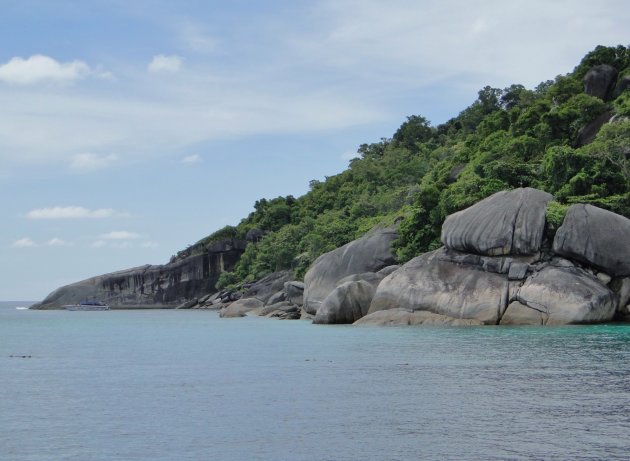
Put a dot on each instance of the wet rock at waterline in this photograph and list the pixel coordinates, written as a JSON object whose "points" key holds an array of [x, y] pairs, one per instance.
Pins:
{"points": [[370, 253], [346, 304]]}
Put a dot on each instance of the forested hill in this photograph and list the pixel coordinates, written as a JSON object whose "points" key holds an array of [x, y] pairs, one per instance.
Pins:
{"points": [[569, 136]]}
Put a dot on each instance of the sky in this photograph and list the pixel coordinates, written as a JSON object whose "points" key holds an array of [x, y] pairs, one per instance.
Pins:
{"points": [[129, 130]]}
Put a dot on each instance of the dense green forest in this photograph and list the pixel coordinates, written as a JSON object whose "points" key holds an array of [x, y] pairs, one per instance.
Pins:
{"points": [[507, 138]]}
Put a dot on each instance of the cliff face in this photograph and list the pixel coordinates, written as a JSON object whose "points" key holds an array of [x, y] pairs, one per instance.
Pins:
{"points": [[156, 286]]}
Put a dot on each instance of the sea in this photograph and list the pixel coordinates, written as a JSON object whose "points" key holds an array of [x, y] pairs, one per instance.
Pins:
{"points": [[188, 385]]}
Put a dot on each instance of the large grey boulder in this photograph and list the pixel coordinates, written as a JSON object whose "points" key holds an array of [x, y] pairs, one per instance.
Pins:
{"points": [[294, 292], [276, 298], [241, 307], [400, 317], [600, 81], [429, 283], [520, 314], [346, 304], [370, 253], [373, 278], [565, 295], [597, 237], [508, 222]]}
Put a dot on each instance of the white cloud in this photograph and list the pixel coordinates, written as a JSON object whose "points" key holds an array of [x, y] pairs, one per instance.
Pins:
{"points": [[121, 245], [39, 68], [57, 242], [24, 243], [192, 159], [119, 235], [162, 63], [98, 244], [345, 64], [195, 38], [149, 244], [92, 162], [70, 212]]}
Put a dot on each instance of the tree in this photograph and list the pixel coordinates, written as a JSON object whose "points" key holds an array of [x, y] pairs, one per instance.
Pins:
{"points": [[416, 129]]}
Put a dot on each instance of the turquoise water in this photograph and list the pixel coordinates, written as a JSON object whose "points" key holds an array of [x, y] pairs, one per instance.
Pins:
{"points": [[186, 385]]}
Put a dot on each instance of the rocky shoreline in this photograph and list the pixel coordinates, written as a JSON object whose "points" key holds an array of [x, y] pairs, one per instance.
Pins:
{"points": [[501, 264]]}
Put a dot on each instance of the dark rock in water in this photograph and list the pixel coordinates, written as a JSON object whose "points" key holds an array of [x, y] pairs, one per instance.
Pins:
{"points": [[188, 304], [241, 307], [282, 306], [596, 237], [508, 222], [281, 310], [294, 292], [152, 286], [370, 253], [346, 304], [600, 81], [399, 317], [427, 283], [567, 295], [266, 287]]}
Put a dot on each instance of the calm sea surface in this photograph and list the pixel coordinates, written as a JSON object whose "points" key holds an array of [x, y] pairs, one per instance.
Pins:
{"points": [[187, 385]]}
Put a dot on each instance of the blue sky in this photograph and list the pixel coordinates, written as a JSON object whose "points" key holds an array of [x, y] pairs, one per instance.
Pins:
{"points": [[129, 130]]}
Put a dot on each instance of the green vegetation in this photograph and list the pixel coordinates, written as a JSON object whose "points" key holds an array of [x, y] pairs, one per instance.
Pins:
{"points": [[555, 215], [507, 138]]}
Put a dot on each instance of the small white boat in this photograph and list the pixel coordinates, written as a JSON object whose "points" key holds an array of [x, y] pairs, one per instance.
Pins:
{"points": [[87, 306]]}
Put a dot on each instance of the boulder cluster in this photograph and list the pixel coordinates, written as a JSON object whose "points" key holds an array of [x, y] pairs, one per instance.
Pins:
{"points": [[499, 265]]}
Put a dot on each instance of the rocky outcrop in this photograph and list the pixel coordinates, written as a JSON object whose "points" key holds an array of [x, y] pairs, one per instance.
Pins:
{"points": [[346, 304], [588, 132], [508, 222], [156, 286], [373, 278], [401, 317], [581, 279], [600, 81], [370, 253], [283, 310], [268, 286], [433, 283], [278, 297], [241, 307], [294, 292], [595, 237], [562, 295]]}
